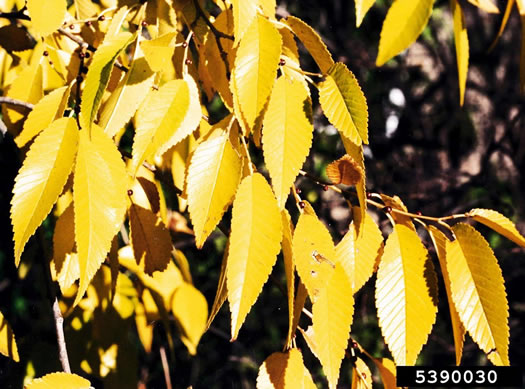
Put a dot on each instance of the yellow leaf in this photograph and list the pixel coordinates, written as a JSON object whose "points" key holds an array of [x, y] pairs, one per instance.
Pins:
{"points": [[7, 340], [65, 258], [357, 253], [164, 283], [387, 369], [126, 98], [49, 108], [190, 309], [314, 254], [125, 297], [244, 12], [486, 5], [458, 329], [462, 47], [256, 66], [287, 134], [117, 20], [150, 239], [522, 51], [213, 177], [332, 318], [361, 8], [98, 75], [41, 179], [144, 329], [478, 292], [158, 52], [361, 375], [46, 16], [99, 195], [284, 371], [298, 305], [85, 9], [289, 268], [166, 117], [345, 171], [406, 306], [222, 294], [344, 103], [508, 9], [356, 152], [255, 241], [213, 58], [498, 223], [396, 203], [405, 20], [312, 41], [268, 8], [59, 380]]}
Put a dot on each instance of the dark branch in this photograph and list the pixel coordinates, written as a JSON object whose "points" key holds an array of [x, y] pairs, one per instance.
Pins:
{"points": [[61, 340], [15, 102]]}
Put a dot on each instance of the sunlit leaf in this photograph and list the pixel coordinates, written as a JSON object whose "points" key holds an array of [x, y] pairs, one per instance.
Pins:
{"points": [[314, 254], [190, 309], [166, 117], [344, 103], [405, 300], [7, 340], [361, 375], [289, 268], [361, 8], [158, 52], [284, 371], [462, 47], [478, 292], [387, 369], [46, 16], [49, 108], [356, 152], [312, 41], [126, 98], [396, 203], [498, 223], [256, 65], [486, 5], [287, 134], [404, 21], [244, 11], [99, 192], [222, 293], [255, 241], [150, 239], [358, 253], [59, 380], [213, 177], [65, 258], [98, 75], [458, 329], [41, 179], [332, 317]]}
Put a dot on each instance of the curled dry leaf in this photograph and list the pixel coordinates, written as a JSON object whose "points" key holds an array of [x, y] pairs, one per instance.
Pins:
{"points": [[345, 171]]}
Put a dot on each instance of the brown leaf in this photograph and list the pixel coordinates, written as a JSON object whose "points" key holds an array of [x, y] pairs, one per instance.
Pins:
{"points": [[345, 171]]}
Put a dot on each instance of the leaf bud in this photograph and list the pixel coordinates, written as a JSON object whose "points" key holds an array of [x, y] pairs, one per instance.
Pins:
{"points": [[282, 62], [101, 18], [302, 204], [130, 192], [188, 61], [387, 209]]}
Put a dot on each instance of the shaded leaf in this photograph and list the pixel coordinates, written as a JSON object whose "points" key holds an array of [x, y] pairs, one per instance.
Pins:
{"points": [[406, 306], [332, 317], [99, 192], [65, 257], [357, 253], [396, 203], [150, 239], [458, 329], [289, 268], [48, 109], [462, 47], [405, 20], [356, 152], [256, 65], [298, 305], [284, 371], [59, 380], [213, 178], [344, 103], [254, 244], [222, 293], [98, 75], [7, 340], [190, 309], [41, 179], [312, 41], [478, 292], [287, 134], [46, 16], [498, 223], [387, 369], [166, 117], [508, 9], [15, 38], [345, 171], [361, 375], [314, 254]]}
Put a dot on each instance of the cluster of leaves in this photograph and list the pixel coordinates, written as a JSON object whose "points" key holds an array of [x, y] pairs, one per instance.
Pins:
{"points": [[116, 71]]}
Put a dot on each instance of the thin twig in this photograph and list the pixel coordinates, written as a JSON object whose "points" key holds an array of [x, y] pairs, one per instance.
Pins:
{"points": [[15, 102], [165, 367], [61, 340], [15, 15]]}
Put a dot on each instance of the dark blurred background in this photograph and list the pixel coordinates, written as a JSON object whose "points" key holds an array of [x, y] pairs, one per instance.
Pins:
{"points": [[440, 158]]}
